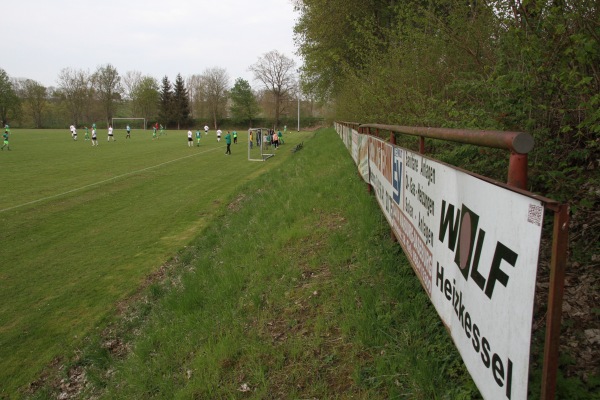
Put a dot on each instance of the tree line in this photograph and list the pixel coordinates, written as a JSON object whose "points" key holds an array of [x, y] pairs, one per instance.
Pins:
{"points": [[82, 97], [513, 65]]}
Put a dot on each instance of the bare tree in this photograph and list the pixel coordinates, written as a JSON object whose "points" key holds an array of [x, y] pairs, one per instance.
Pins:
{"points": [[107, 83], [75, 87], [277, 74], [9, 101], [34, 96], [10, 98], [215, 82], [196, 94], [131, 80]]}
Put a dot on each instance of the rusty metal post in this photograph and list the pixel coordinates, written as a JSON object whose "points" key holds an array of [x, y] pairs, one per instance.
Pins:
{"points": [[421, 145], [560, 239], [517, 170]]}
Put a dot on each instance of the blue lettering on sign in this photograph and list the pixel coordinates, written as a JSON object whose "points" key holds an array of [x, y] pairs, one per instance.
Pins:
{"points": [[397, 174]]}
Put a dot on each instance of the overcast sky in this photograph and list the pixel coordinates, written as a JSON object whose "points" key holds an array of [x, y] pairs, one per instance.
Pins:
{"points": [[155, 37]]}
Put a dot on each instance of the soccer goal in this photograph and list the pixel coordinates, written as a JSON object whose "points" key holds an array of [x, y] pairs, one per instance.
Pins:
{"points": [[134, 123], [259, 147]]}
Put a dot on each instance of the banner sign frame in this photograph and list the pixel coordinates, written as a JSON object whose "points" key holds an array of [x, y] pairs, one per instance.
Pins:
{"points": [[474, 245]]}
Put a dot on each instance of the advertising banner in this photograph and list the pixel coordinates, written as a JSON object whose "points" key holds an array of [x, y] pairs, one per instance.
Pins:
{"points": [[362, 153], [474, 246]]}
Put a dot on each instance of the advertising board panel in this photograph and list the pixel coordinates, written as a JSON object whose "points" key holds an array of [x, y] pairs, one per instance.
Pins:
{"points": [[474, 246]]}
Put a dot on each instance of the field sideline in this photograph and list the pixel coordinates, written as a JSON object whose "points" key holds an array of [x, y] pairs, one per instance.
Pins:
{"points": [[82, 226], [293, 290]]}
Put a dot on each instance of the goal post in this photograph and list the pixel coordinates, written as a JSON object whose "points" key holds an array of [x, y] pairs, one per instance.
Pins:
{"points": [[134, 123], [259, 148]]}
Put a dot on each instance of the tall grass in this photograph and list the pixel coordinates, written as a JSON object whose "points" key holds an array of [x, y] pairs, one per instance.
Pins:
{"points": [[293, 289]]}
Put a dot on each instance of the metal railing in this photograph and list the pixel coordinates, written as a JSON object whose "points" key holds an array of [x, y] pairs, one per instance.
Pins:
{"points": [[518, 144]]}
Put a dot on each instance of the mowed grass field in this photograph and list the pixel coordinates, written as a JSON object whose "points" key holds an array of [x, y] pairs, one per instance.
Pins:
{"points": [[82, 227], [293, 290]]}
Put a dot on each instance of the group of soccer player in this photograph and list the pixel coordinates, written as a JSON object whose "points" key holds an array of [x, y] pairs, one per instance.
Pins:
{"points": [[228, 137], [94, 137], [157, 128]]}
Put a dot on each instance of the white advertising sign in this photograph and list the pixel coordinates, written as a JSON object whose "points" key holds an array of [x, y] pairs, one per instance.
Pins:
{"points": [[474, 246], [360, 145]]}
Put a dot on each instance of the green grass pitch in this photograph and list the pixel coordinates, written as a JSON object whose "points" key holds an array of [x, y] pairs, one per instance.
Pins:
{"points": [[81, 227]]}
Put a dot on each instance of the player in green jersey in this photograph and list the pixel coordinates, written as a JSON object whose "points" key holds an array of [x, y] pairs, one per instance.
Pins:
{"points": [[5, 136], [228, 141]]}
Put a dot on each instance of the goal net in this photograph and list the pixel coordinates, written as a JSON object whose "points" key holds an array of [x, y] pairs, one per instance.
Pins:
{"points": [[134, 123], [260, 148]]}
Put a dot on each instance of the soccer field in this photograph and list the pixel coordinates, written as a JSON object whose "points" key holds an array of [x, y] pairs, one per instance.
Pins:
{"points": [[81, 227]]}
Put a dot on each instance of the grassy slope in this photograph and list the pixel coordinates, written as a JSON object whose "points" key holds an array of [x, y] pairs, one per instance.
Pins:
{"points": [[293, 290], [82, 227]]}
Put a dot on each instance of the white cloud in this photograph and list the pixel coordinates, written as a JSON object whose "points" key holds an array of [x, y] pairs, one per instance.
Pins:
{"points": [[155, 37]]}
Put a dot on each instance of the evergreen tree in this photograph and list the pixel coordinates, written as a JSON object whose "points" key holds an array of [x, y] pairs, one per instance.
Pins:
{"points": [[181, 103], [165, 107], [244, 106]]}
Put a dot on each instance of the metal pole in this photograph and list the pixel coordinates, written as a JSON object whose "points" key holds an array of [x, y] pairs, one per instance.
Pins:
{"points": [[298, 109], [560, 244], [517, 170], [518, 142]]}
